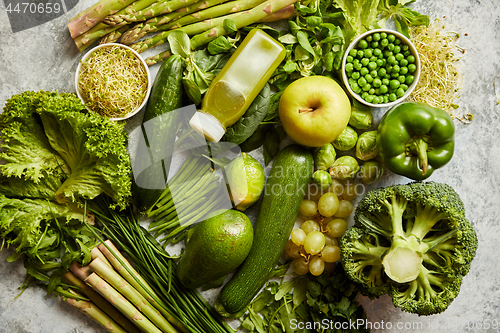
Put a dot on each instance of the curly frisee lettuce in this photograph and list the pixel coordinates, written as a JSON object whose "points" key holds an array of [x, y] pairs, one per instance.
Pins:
{"points": [[412, 242]]}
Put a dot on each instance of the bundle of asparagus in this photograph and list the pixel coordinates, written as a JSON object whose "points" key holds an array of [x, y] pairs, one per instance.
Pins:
{"points": [[127, 21], [112, 293]]}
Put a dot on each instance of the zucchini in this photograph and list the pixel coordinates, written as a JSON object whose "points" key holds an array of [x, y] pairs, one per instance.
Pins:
{"points": [[285, 189], [159, 128]]}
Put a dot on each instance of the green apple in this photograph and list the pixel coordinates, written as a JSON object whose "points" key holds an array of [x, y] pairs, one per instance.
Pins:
{"points": [[314, 110]]}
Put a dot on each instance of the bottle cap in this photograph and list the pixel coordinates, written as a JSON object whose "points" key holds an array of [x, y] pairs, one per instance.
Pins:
{"points": [[207, 125]]}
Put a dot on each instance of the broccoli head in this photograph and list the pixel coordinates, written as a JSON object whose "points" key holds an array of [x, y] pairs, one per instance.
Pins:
{"points": [[412, 242]]}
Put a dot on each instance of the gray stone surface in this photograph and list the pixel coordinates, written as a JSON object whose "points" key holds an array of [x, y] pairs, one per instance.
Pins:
{"points": [[45, 58]]}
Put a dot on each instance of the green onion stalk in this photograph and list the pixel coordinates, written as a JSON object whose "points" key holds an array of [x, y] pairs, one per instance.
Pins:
{"points": [[96, 299], [189, 311], [126, 307], [94, 312], [192, 193], [112, 277]]}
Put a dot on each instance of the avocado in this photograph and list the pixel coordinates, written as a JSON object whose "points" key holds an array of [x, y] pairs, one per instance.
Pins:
{"points": [[215, 247]]}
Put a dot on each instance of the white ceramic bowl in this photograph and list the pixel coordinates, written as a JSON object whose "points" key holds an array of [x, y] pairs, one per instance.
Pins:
{"points": [[77, 77], [416, 74]]}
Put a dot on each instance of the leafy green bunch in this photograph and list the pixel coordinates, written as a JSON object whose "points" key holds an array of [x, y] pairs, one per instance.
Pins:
{"points": [[56, 156], [201, 66], [327, 301]]}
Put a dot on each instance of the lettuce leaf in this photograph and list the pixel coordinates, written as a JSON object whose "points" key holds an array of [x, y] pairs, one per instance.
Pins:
{"points": [[50, 139], [93, 147], [26, 150], [360, 14], [23, 187], [55, 157]]}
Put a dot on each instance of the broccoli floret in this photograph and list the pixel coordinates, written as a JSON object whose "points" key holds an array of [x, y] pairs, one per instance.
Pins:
{"points": [[412, 242]]}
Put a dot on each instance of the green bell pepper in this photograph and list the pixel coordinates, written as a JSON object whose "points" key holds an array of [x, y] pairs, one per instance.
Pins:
{"points": [[415, 139]]}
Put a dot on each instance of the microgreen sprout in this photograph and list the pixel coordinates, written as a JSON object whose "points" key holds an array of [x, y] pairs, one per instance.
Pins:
{"points": [[441, 79], [113, 81]]}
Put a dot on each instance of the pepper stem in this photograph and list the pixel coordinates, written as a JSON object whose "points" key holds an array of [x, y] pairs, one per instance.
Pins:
{"points": [[419, 148]]}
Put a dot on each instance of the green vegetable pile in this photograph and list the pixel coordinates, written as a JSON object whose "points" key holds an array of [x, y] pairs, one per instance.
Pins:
{"points": [[413, 242], [56, 156], [326, 303]]}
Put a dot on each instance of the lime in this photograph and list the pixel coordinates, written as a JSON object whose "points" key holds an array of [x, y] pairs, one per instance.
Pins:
{"points": [[245, 180]]}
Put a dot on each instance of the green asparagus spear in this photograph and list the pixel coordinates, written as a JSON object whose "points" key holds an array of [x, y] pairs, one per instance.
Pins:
{"points": [[157, 58], [211, 17], [95, 14], [159, 8], [114, 36], [99, 30], [281, 14], [246, 18], [152, 25]]}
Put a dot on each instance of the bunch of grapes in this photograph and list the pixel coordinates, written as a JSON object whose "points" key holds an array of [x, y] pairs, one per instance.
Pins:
{"points": [[315, 245]]}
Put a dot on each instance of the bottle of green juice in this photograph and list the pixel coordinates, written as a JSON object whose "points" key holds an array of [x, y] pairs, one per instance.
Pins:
{"points": [[237, 84]]}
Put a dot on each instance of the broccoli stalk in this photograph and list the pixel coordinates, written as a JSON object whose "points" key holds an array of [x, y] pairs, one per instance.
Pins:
{"points": [[413, 242]]}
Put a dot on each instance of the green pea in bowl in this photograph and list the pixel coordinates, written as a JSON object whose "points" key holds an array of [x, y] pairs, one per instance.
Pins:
{"points": [[381, 68]]}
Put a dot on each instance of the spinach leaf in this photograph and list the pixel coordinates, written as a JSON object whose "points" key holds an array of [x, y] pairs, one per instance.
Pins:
{"points": [[248, 123], [256, 139], [229, 25], [219, 45], [201, 69], [273, 106], [179, 43], [271, 144]]}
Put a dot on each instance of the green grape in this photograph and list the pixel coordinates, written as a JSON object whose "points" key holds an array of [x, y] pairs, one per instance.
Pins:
{"points": [[330, 240], [336, 187], [308, 207], [328, 204], [314, 192], [336, 228], [298, 236], [292, 249], [314, 242], [345, 209], [309, 226], [316, 265], [300, 266], [330, 253], [350, 191]]}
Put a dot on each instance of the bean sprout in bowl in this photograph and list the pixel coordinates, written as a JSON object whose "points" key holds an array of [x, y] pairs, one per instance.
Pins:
{"points": [[381, 68], [113, 81]]}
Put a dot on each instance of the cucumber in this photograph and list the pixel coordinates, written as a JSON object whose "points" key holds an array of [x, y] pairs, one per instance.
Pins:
{"points": [[159, 128], [285, 189]]}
